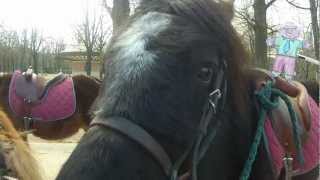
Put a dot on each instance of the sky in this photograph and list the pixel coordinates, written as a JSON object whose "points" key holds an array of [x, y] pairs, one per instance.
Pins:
{"points": [[281, 12], [54, 18], [58, 18]]}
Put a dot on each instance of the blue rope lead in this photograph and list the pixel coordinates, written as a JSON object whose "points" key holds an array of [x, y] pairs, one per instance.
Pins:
{"points": [[268, 98], [294, 119], [254, 147]]}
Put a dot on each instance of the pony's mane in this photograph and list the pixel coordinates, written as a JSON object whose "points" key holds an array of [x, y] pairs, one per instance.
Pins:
{"points": [[19, 157]]}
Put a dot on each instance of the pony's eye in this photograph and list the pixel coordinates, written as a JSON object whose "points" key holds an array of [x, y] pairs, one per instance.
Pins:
{"points": [[205, 74]]}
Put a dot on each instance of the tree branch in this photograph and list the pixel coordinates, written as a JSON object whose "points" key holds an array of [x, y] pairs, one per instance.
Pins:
{"points": [[270, 3], [108, 8], [297, 6], [246, 17]]}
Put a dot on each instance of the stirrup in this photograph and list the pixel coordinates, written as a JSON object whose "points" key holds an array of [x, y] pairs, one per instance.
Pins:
{"points": [[28, 122]]}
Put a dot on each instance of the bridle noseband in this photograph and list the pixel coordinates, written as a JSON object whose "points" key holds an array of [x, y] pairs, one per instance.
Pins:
{"points": [[199, 145]]}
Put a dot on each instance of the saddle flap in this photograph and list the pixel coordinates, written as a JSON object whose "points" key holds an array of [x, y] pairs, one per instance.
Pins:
{"points": [[310, 145], [302, 104], [32, 87], [29, 89], [283, 128]]}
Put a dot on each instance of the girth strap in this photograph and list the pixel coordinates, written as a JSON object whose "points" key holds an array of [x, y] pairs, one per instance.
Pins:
{"points": [[138, 135]]}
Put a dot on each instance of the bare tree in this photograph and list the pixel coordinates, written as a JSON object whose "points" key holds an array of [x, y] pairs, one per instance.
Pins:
{"points": [[19, 50], [51, 55], [246, 23], [36, 40], [260, 28], [314, 5], [24, 49], [119, 12], [91, 34], [9, 42], [87, 33], [44, 54], [104, 35], [315, 26], [253, 19], [59, 46]]}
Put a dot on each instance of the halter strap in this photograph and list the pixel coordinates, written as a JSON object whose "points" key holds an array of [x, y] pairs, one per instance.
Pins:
{"points": [[138, 135], [200, 144]]}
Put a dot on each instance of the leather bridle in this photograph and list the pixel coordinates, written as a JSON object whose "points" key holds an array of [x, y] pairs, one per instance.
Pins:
{"points": [[199, 145]]}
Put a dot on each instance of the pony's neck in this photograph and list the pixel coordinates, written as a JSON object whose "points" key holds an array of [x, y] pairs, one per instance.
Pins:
{"points": [[87, 90]]}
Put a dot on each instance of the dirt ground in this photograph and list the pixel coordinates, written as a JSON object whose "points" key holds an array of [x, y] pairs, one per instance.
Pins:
{"points": [[52, 154]]}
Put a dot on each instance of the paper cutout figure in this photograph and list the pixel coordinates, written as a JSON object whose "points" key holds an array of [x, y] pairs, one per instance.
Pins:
{"points": [[288, 42]]}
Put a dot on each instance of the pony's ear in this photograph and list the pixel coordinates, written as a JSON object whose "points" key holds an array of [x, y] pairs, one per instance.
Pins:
{"points": [[228, 8]]}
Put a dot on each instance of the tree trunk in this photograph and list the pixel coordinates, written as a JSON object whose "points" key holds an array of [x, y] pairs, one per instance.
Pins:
{"points": [[102, 70], [35, 63], [260, 10], [315, 27], [22, 58], [88, 65], [120, 13]]}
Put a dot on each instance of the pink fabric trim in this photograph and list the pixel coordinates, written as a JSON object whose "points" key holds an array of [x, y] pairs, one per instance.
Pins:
{"points": [[310, 149], [59, 102]]}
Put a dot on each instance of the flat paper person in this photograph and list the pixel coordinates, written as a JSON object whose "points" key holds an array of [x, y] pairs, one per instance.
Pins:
{"points": [[288, 42]]}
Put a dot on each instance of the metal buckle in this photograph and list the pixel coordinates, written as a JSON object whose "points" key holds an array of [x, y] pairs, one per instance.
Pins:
{"points": [[27, 100], [214, 96], [27, 122], [288, 160], [216, 91]]}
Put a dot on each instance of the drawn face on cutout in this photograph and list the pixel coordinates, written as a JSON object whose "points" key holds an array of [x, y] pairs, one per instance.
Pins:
{"points": [[290, 30]]}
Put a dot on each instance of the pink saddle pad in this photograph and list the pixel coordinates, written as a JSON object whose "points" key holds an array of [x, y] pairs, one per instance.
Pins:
{"points": [[58, 103], [310, 148]]}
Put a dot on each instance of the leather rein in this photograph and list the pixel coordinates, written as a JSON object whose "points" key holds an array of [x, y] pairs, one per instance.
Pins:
{"points": [[199, 145]]}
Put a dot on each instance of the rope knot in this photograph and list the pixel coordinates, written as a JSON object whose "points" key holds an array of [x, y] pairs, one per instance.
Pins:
{"points": [[266, 98]]}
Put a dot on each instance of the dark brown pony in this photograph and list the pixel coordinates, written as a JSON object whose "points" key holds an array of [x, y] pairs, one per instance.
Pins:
{"points": [[86, 90], [16, 159], [164, 70]]}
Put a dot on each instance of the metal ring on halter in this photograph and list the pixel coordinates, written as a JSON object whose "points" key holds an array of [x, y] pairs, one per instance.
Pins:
{"points": [[216, 91], [213, 106], [212, 101]]}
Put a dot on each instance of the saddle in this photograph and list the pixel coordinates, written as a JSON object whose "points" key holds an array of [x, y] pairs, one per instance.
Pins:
{"points": [[280, 117], [33, 87]]}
